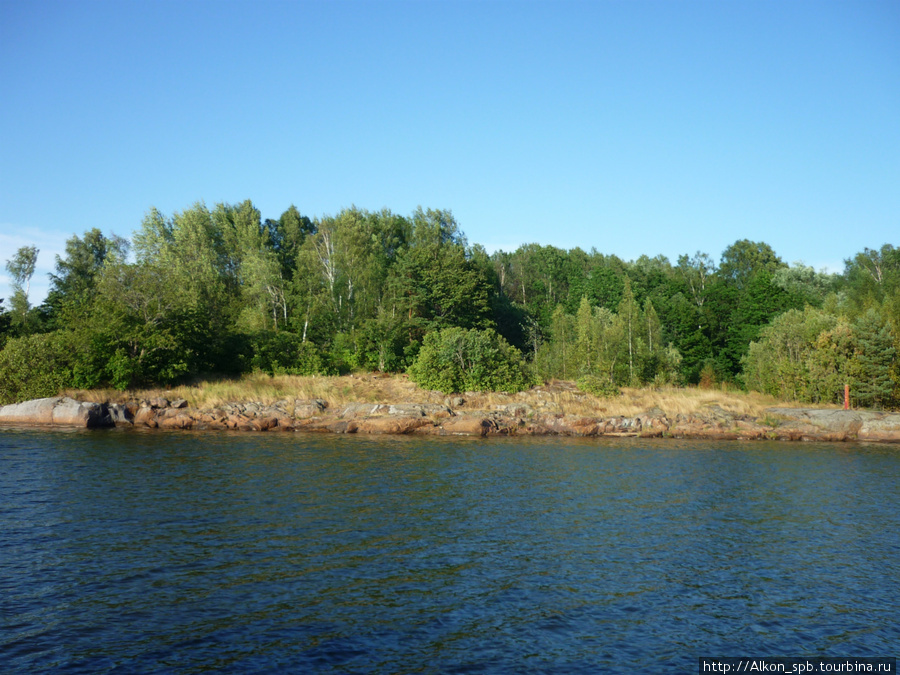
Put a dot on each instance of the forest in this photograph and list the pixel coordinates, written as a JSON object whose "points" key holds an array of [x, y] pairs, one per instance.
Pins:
{"points": [[220, 292]]}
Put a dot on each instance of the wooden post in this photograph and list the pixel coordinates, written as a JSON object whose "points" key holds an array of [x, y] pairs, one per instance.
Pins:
{"points": [[846, 397]]}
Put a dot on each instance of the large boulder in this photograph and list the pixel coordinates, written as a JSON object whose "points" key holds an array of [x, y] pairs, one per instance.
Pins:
{"points": [[863, 425], [846, 423], [56, 411], [180, 421], [145, 416], [303, 409], [469, 425], [120, 415], [880, 427], [653, 423]]}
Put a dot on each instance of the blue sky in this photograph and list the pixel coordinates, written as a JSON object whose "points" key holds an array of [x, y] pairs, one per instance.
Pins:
{"points": [[633, 127]]}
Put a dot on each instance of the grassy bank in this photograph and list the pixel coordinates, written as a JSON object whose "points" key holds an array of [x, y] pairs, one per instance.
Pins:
{"points": [[556, 396]]}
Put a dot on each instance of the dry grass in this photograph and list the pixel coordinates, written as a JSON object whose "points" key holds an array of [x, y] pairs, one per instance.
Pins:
{"points": [[563, 397], [556, 396], [687, 400], [267, 389]]}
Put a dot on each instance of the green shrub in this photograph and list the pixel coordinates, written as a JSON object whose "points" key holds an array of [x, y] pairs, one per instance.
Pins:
{"points": [[283, 353], [598, 386], [455, 359], [36, 366], [343, 355]]}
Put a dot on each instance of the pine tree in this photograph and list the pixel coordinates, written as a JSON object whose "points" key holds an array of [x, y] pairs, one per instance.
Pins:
{"points": [[872, 385]]}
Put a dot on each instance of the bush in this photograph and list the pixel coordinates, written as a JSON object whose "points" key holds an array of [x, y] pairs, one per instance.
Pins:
{"points": [[343, 354], [36, 366], [283, 353], [601, 387], [708, 375], [455, 359]]}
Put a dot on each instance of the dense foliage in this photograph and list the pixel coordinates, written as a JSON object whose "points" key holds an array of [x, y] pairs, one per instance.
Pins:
{"points": [[223, 291], [456, 359]]}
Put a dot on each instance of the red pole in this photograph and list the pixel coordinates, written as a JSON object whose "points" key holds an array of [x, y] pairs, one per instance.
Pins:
{"points": [[846, 397]]}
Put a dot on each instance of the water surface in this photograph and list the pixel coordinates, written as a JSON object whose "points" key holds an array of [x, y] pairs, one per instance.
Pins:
{"points": [[196, 552]]}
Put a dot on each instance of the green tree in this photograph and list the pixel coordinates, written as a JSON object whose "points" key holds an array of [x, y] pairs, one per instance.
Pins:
{"points": [[804, 283], [287, 235], [203, 291], [72, 286], [191, 248], [21, 268], [830, 363], [740, 314], [662, 362], [785, 359], [137, 330], [872, 279], [629, 319], [696, 272], [536, 278], [438, 287], [587, 338], [5, 323], [557, 357], [875, 357], [744, 259], [684, 322]]}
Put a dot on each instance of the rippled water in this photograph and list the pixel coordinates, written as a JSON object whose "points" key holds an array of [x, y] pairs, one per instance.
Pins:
{"points": [[190, 552]]}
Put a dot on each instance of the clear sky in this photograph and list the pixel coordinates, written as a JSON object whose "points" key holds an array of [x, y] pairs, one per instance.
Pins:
{"points": [[634, 127]]}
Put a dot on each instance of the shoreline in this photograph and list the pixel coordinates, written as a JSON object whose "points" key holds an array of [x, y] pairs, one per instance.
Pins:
{"points": [[454, 418]]}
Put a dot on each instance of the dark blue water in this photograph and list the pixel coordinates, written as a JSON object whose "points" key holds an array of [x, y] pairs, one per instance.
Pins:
{"points": [[190, 552]]}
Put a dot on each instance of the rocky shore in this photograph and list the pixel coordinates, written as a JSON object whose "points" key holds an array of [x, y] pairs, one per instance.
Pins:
{"points": [[454, 418]]}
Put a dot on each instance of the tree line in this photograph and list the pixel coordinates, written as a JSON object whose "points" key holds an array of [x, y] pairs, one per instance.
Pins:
{"points": [[222, 291]]}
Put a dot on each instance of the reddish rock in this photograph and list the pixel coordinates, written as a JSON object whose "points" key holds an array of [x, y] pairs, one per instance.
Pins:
{"points": [[712, 422], [202, 421], [582, 426], [144, 416], [285, 423], [465, 426], [319, 424], [266, 423], [809, 432], [176, 422], [241, 423], [536, 429], [653, 423], [392, 425]]}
